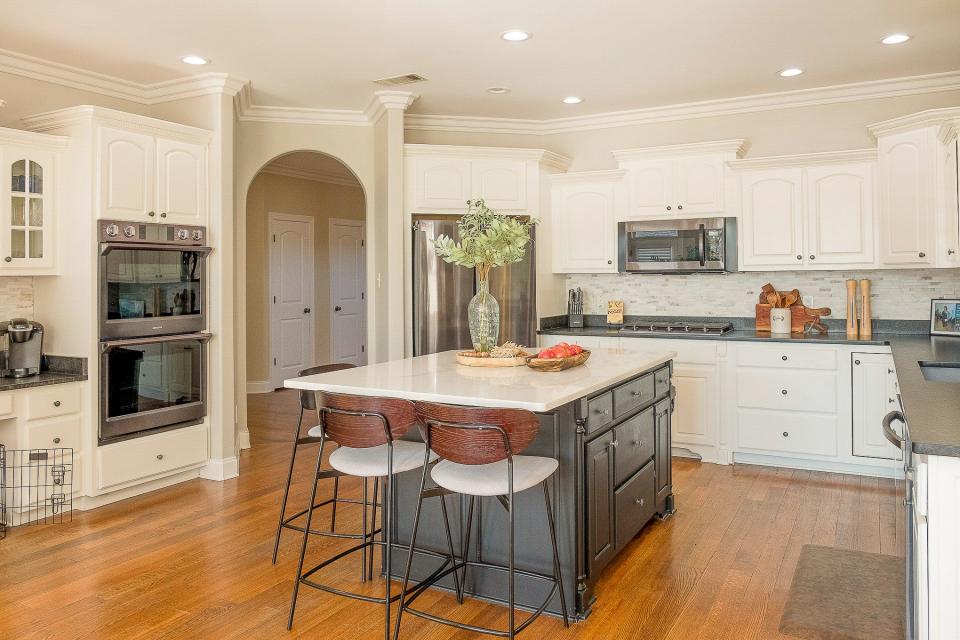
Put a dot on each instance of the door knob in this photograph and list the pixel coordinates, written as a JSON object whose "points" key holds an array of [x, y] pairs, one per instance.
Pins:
{"points": [[338, 308], [922, 254], [306, 309]]}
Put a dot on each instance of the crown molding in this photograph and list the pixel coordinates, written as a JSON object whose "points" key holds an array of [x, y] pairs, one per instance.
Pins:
{"points": [[249, 112], [61, 118], [34, 140], [65, 75], [734, 146], [805, 159], [612, 175], [313, 175], [382, 101], [547, 158], [911, 85], [949, 130], [928, 118]]}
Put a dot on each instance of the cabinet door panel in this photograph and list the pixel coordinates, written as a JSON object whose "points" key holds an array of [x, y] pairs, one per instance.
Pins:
{"points": [[949, 252], [906, 208], [695, 417], [26, 211], [874, 395], [699, 185], [772, 220], [502, 184], [584, 228], [651, 187], [181, 181], [840, 215], [600, 523], [126, 165], [441, 183], [664, 461]]}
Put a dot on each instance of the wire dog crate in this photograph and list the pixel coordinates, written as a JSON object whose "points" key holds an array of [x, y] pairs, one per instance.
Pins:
{"points": [[36, 487]]}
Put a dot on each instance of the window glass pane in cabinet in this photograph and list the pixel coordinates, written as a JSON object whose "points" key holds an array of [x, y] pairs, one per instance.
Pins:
{"points": [[36, 243], [19, 176], [36, 212], [17, 215], [36, 177], [18, 243]]}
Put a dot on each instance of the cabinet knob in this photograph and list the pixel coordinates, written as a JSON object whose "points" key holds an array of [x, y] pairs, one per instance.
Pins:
{"points": [[669, 207], [56, 403], [922, 254], [783, 392], [950, 252], [786, 434], [813, 257], [679, 207], [799, 257], [784, 358], [163, 215], [8, 259], [639, 501], [151, 213], [636, 393], [609, 261], [856, 362], [159, 456], [891, 400], [614, 444], [56, 441], [637, 443]]}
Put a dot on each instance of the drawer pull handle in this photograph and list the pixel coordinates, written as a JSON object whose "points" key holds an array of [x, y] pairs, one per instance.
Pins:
{"points": [[636, 393], [614, 444], [159, 456], [603, 412], [786, 434], [784, 358], [639, 501], [637, 443], [56, 441], [56, 403], [783, 392]]}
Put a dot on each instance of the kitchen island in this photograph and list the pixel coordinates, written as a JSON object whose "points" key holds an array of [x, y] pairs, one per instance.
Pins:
{"points": [[606, 422]]}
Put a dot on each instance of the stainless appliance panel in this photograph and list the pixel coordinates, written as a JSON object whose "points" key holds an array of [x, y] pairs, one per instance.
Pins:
{"points": [[441, 291], [704, 245]]}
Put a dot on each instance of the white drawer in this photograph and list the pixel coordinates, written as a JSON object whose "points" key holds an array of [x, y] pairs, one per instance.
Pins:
{"points": [[787, 390], [6, 404], [54, 400], [151, 456], [788, 432], [54, 433], [787, 357]]}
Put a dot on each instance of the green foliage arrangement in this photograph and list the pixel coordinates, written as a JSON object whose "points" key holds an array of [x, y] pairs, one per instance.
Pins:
{"points": [[488, 239]]}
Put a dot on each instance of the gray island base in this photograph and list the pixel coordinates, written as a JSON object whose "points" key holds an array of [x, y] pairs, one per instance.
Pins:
{"points": [[608, 425]]}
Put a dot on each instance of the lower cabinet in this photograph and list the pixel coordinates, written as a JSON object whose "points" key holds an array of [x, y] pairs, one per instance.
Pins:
{"points": [[601, 544], [874, 395], [151, 456]]}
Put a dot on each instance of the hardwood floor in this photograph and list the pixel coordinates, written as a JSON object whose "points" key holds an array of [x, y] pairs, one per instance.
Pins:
{"points": [[193, 560]]}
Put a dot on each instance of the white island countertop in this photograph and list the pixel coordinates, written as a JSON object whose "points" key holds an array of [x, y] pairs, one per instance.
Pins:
{"points": [[438, 378]]}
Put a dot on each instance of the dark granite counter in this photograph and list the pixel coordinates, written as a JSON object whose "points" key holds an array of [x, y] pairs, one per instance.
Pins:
{"points": [[742, 335], [54, 370]]}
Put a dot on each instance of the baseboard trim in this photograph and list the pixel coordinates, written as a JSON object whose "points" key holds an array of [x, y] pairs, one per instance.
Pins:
{"points": [[243, 439], [221, 469], [889, 470], [259, 386]]}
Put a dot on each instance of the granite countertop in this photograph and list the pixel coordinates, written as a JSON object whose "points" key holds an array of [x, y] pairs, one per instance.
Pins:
{"points": [[54, 370], [748, 335], [438, 378]]}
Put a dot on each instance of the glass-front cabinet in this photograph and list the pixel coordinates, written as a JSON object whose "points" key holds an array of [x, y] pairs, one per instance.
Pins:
{"points": [[26, 227]]}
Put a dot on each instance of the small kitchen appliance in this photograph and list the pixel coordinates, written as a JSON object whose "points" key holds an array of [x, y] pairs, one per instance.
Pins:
{"points": [[24, 348], [705, 245]]}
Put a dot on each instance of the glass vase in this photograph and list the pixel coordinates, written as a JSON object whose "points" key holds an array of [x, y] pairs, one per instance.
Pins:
{"points": [[483, 314]]}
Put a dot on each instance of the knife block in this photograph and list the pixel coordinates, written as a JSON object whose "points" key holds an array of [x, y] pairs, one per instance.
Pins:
{"points": [[575, 320]]}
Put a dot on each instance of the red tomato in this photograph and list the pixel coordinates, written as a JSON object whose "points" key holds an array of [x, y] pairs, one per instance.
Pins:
{"points": [[575, 349]]}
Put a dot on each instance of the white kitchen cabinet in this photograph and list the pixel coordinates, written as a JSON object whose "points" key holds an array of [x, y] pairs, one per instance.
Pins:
{"points": [[501, 183], [948, 250], [584, 223], [677, 181], [771, 219], [441, 183], [149, 178], [839, 214], [28, 202], [150, 457], [874, 395], [907, 198]]}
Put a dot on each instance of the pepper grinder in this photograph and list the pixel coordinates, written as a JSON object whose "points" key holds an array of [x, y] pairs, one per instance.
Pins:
{"points": [[852, 331], [866, 321]]}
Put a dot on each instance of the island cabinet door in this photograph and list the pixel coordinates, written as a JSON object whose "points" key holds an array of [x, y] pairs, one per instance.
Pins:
{"points": [[664, 446], [599, 507]]}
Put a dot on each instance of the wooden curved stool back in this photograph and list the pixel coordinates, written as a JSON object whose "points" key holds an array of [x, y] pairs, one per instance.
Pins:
{"points": [[308, 399], [476, 435], [361, 422]]}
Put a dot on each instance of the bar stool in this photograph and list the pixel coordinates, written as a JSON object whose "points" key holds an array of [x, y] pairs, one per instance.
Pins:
{"points": [[476, 449], [367, 430], [308, 402]]}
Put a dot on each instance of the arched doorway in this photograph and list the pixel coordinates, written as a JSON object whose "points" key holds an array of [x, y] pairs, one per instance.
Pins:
{"points": [[305, 268]]}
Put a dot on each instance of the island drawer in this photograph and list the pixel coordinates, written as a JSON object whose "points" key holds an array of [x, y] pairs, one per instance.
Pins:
{"points": [[635, 504], [662, 377], [599, 412], [634, 445], [631, 395]]}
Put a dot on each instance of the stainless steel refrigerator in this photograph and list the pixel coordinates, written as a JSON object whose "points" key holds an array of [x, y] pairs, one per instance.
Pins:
{"points": [[441, 292]]}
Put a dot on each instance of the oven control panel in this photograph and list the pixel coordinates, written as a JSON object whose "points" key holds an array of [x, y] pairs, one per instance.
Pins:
{"points": [[126, 232]]}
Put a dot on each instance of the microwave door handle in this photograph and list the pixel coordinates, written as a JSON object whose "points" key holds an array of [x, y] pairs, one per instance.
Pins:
{"points": [[703, 246]]}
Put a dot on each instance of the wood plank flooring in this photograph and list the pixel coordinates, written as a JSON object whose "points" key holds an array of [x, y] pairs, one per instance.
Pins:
{"points": [[193, 560]]}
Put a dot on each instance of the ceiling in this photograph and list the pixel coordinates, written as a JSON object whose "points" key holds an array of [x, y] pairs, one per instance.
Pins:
{"points": [[616, 54]]}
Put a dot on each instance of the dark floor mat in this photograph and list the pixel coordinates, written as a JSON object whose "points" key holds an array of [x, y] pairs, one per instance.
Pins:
{"points": [[838, 594]]}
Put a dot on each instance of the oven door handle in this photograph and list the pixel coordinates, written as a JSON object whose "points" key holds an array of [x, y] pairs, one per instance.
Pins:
{"points": [[109, 345], [107, 247]]}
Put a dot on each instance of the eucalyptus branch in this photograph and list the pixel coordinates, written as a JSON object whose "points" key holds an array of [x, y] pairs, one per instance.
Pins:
{"points": [[488, 239]]}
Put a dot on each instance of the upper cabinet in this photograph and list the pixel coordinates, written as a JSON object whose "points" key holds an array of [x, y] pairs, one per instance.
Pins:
{"points": [[679, 181], [812, 212], [585, 208], [28, 207], [146, 177], [948, 251], [441, 178]]}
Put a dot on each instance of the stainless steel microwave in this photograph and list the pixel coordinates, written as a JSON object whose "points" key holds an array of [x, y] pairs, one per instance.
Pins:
{"points": [[702, 245]]}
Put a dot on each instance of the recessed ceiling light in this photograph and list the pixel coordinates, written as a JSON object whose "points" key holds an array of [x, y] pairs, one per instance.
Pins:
{"points": [[515, 35], [895, 38], [194, 60], [498, 90], [791, 72], [572, 100]]}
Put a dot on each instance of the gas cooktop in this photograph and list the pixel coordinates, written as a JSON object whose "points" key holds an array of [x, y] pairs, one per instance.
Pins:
{"points": [[669, 327]]}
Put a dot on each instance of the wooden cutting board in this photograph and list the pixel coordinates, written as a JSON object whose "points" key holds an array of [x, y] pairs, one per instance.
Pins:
{"points": [[799, 317]]}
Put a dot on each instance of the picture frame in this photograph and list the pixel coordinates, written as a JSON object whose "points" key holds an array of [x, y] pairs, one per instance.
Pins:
{"points": [[945, 317]]}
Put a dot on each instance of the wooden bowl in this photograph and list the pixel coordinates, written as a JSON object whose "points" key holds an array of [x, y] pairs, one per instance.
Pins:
{"points": [[471, 359], [558, 364]]}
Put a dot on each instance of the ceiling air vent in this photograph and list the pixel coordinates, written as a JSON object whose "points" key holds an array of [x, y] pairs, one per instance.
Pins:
{"points": [[408, 78]]}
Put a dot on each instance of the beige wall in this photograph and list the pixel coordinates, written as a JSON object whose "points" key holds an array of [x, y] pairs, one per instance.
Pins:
{"points": [[271, 193]]}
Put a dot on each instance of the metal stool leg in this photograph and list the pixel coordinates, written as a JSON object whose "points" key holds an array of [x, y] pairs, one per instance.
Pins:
{"points": [[333, 507], [556, 554], [413, 544], [366, 536], [388, 535], [286, 488], [306, 536], [511, 595], [373, 524], [465, 550]]}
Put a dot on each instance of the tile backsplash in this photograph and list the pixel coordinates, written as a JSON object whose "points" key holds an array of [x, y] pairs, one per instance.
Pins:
{"points": [[16, 297], [901, 295]]}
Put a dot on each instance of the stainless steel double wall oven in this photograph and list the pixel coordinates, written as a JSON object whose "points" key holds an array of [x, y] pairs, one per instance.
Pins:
{"points": [[153, 347]]}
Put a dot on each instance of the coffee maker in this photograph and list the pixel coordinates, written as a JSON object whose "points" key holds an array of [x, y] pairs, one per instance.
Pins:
{"points": [[24, 348]]}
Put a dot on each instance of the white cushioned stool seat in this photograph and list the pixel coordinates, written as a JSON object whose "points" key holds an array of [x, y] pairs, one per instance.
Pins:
{"points": [[371, 462], [491, 479]]}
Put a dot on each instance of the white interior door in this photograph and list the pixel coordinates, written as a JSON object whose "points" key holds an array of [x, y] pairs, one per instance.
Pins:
{"points": [[291, 296], [348, 312]]}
